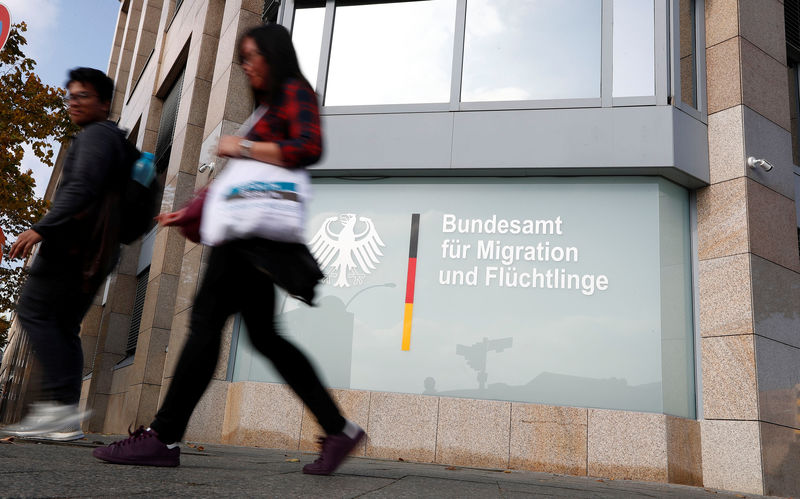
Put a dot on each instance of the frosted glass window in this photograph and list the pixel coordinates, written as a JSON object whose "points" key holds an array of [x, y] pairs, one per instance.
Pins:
{"points": [[572, 292]]}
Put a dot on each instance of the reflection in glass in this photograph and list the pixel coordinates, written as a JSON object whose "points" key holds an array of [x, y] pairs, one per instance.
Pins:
{"points": [[688, 47], [307, 39], [476, 354], [634, 70], [531, 50], [391, 53]]}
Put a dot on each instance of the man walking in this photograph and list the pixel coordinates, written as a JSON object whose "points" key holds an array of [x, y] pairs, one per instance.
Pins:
{"points": [[80, 246]]}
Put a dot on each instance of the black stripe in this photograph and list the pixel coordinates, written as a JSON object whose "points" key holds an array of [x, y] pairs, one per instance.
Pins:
{"points": [[412, 250]]}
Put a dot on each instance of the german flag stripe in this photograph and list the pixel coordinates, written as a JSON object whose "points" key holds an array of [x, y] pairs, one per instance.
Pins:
{"points": [[412, 272], [412, 276]]}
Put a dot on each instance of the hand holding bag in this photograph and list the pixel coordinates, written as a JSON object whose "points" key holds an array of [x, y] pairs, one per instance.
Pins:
{"points": [[189, 221], [254, 199]]}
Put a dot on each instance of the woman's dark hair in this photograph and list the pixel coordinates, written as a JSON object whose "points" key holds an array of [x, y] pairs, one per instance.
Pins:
{"points": [[275, 44], [102, 84]]}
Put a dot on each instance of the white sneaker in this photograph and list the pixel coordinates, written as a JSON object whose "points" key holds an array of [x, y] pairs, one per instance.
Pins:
{"points": [[65, 434], [49, 418]]}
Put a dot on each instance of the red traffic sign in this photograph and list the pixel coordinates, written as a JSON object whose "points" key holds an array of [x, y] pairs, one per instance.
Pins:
{"points": [[5, 25]]}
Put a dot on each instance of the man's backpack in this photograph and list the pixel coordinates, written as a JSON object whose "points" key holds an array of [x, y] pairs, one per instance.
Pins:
{"points": [[138, 204]]}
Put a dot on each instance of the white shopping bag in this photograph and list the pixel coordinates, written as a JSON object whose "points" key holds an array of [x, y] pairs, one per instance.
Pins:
{"points": [[254, 199]]}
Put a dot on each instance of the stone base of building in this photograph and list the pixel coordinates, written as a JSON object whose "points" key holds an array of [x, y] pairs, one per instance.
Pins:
{"points": [[463, 432]]}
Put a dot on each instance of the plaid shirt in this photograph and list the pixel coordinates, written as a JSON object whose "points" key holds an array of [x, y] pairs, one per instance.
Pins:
{"points": [[293, 123]]}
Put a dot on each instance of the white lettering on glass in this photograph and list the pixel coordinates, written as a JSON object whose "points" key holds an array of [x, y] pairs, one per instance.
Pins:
{"points": [[505, 262]]}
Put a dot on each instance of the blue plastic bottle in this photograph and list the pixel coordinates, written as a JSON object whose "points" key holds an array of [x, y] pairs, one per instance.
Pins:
{"points": [[144, 170]]}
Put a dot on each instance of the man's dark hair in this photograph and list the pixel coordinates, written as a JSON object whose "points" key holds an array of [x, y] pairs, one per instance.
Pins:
{"points": [[275, 44], [102, 84]]}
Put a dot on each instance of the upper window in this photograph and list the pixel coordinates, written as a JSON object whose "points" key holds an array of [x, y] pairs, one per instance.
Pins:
{"points": [[634, 46], [136, 313], [166, 129], [794, 108], [688, 49], [391, 53], [469, 54], [532, 50], [307, 38]]}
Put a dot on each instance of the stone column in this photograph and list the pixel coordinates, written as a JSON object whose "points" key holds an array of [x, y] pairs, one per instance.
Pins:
{"points": [[122, 72], [147, 35], [195, 28], [749, 273], [116, 47]]}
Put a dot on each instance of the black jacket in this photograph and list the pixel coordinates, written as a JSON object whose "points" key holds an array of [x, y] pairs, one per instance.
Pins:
{"points": [[80, 226]]}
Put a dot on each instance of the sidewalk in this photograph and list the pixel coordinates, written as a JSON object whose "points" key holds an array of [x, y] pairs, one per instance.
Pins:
{"points": [[32, 469]]}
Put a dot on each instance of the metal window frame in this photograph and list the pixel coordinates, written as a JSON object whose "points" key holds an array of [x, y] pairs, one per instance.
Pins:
{"points": [[142, 281], [607, 53], [237, 325], [661, 54], [165, 137], [794, 67], [695, 262], [701, 112], [797, 201]]}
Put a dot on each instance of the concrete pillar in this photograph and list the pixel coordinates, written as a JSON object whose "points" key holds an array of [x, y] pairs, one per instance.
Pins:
{"points": [[749, 275]]}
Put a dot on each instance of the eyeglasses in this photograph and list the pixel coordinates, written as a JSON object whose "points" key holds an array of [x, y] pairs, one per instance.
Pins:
{"points": [[248, 59], [79, 97]]}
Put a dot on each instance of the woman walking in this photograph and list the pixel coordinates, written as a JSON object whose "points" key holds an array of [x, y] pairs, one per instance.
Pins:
{"points": [[240, 276]]}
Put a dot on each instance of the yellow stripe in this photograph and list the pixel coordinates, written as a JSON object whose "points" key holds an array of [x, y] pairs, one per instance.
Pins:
{"points": [[407, 327]]}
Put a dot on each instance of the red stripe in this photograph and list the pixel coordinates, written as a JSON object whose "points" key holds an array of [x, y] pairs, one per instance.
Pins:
{"points": [[412, 272]]}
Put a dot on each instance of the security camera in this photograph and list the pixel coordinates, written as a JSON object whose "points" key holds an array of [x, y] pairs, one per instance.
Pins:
{"points": [[763, 163]]}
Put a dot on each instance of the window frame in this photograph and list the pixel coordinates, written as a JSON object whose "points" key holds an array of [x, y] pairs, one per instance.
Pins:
{"points": [[665, 53], [701, 113], [796, 177], [142, 281]]}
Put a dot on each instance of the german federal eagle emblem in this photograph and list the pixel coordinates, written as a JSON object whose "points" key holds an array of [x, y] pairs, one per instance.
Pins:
{"points": [[347, 248]]}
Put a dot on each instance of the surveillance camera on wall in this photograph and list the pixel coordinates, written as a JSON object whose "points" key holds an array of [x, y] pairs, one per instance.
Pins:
{"points": [[763, 163]]}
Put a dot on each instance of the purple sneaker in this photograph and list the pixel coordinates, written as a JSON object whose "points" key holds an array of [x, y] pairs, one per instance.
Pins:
{"points": [[141, 448], [335, 449]]}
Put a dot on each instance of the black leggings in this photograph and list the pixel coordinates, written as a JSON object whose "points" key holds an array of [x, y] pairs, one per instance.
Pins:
{"points": [[231, 285]]}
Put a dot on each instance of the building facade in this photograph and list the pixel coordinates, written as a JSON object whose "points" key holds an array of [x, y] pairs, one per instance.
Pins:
{"points": [[546, 246]]}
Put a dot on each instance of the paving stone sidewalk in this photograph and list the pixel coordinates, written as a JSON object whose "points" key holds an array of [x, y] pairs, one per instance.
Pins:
{"points": [[36, 469]]}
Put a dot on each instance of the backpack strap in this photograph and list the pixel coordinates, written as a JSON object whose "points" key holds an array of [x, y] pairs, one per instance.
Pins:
{"points": [[128, 154]]}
